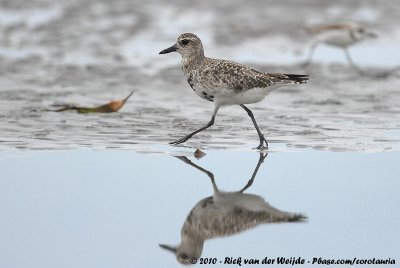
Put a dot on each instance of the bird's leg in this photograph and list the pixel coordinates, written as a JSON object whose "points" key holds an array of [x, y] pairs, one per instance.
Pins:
{"points": [[182, 140], [250, 182], [209, 173], [260, 135], [189, 162], [199, 130], [351, 62], [311, 53]]}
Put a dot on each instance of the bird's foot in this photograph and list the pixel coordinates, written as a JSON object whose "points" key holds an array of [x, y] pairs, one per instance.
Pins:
{"points": [[261, 146], [182, 140]]}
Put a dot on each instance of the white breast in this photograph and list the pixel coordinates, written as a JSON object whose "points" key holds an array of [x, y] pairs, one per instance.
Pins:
{"points": [[250, 202], [253, 95], [204, 93]]}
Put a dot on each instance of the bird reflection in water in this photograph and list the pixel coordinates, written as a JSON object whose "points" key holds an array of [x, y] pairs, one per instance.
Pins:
{"points": [[224, 214]]}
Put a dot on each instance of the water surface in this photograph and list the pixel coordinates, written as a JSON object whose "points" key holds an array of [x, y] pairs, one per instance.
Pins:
{"points": [[112, 208], [88, 53]]}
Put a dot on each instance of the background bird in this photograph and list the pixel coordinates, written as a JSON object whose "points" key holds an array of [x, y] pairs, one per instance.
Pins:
{"points": [[339, 35]]}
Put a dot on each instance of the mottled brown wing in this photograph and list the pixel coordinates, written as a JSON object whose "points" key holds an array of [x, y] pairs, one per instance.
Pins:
{"points": [[232, 75]]}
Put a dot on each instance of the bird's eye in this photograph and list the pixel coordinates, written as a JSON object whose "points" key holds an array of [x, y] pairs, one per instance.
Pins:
{"points": [[183, 256], [185, 42]]}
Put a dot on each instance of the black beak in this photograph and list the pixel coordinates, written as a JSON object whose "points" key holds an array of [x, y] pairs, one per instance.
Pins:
{"points": [[169, 248], [169, 50]]}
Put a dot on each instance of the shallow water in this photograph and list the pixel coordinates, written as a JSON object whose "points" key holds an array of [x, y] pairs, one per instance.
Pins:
{"points": [[87, 53], [112, 208], [343, 112]]}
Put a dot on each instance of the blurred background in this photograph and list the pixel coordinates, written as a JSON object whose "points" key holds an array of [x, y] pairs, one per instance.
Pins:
{"points": [[132, 32], [89, 52]]}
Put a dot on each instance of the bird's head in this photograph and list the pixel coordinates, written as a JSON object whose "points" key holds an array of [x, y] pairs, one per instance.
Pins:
{"points": [[360, 32], [186, 253], [187, 45]]}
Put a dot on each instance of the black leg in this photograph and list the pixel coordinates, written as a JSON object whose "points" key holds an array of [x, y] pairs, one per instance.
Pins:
{"points": [[194, 132], [187, 161], [260, 135], [250, 182]]}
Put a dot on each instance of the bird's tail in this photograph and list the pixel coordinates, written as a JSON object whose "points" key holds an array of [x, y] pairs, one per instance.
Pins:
{"points": [[283, 216], [297, 78], [297, 217]]}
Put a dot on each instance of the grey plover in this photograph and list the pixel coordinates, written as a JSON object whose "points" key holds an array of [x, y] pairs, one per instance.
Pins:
{"points": [[224, 214], [226, 82], [339, 35]]}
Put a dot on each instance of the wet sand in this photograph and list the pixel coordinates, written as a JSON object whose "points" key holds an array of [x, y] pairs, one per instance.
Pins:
{"points": [[337, 111], [85, 53]]}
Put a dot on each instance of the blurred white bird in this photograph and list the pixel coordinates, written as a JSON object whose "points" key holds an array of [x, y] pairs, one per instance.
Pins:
{"points": [[339, 35]]}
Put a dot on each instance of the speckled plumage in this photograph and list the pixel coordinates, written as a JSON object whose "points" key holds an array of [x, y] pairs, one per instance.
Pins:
{"points": [[222, 80], [225, 82], [224, 214], [209, 219]]}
